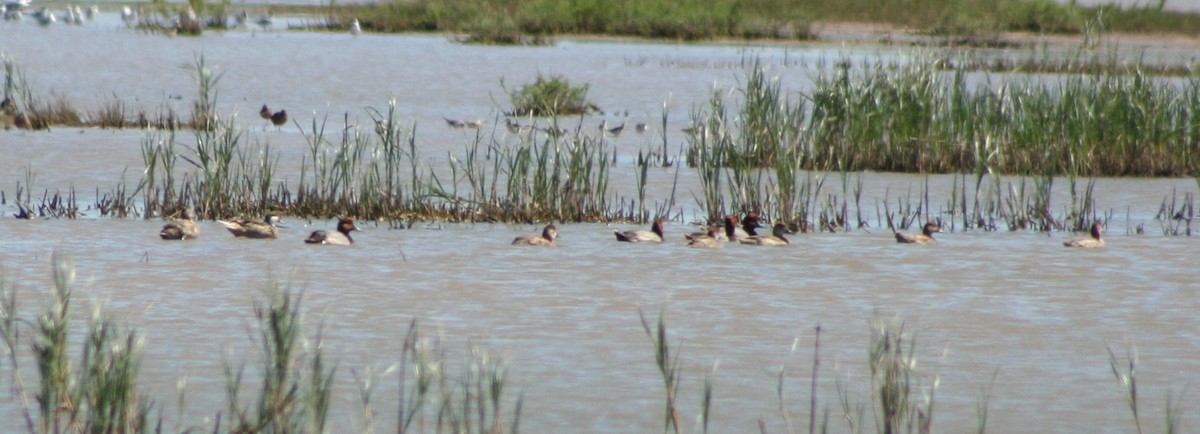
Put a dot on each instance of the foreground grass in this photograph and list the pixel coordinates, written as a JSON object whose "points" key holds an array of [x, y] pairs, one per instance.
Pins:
{"points": [[291, 385]]}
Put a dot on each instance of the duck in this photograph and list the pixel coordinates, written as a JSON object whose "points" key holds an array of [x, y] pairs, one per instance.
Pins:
{"points": [[340, 238], [750, 224], [549, 233], [925, 237], [775, 239], [715, 232], [279, 118], [712, 240], [455, 123], [182, 228], [265, 229], [1090, 242], [654, 235], [264, 112]]}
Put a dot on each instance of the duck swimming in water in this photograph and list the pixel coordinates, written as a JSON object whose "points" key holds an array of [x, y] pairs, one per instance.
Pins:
{"points": [[1091, 242], [775, 239], [339, 238], [925, 237], [710, 241], [182, 228], [549, 233], [654, 235], [265, 229]]}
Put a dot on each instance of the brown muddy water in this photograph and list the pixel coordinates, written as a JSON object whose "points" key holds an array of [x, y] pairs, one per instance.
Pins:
{"points": [[1011, 313]]}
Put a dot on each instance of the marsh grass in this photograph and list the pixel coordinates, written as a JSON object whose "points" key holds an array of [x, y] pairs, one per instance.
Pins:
{"points": [[96, 392], [293, 383], [896, 381]]}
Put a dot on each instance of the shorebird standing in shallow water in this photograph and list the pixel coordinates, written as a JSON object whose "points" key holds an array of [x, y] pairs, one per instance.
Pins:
{"points": [[355, 27]]}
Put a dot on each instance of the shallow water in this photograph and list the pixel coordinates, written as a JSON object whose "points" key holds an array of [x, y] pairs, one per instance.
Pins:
{"points": [[1015, 311]]}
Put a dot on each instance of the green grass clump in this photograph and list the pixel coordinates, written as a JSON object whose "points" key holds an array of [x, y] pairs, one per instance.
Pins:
{"points": [[550, 96]]}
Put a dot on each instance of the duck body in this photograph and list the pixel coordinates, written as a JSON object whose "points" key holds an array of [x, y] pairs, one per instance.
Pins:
{"points": [[279, 118], [776, 238], [925, 237], [1094, 241], [182, 228], [654, 235], [713, 232], [711, 240], [339, 238], [549, 233], [266, 229]]}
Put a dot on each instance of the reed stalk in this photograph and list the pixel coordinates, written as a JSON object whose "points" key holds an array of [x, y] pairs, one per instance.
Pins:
{"points": [[668, 367]]}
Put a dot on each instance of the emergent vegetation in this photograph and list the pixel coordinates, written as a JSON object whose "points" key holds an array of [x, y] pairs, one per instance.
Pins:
{"points": [[294, 387]]}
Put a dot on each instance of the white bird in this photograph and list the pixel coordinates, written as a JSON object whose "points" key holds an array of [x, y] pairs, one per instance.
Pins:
{"points": [[92, 12], [129, 16], [355, 27]]}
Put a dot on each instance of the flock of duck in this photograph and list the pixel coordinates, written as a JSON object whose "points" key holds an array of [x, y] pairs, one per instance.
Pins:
{"points": [[185, 228], [743, 231]]}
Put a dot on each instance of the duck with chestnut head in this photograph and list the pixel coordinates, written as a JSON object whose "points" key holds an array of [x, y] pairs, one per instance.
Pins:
{"points": [[339, 238]]}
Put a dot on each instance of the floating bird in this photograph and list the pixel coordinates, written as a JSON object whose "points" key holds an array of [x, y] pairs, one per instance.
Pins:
{"points": [[1091, 242], [749, 225], [711, 231], [182, 228], [654, 235], [641, 127], [340, 238], [616, 131], [355, 27], [710, 240], [279, 119], [264, 112], [925, 237], [454, 123], [473, 123], [516, 128], [775, 239], [549, 234], [265, 229]]}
